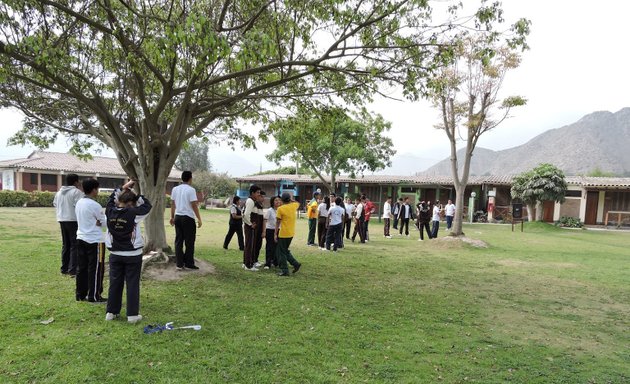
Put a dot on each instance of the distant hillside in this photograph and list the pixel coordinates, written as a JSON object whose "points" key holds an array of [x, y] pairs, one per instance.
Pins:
{"points": [[598, 140]]}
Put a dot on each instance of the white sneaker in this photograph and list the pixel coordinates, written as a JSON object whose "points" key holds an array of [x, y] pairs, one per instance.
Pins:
{"points": [[243, 266], [258, 264], [388, 237], [325, 250], [266, 267], [420, 240], [252, 269], [111, 316], [407, 235], [134, 319]]}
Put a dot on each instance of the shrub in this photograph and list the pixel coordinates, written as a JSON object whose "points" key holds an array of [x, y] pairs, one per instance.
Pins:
{"points": [[569, 222], [14, 198], [41, 199]]}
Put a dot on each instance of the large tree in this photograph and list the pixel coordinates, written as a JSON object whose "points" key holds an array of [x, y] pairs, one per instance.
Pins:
{"points": [[546, 182], [329, 141], [466, 93], [144, 77]]}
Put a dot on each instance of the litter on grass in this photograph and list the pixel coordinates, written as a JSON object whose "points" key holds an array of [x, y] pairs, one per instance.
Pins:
{"points": [[155, 328]]}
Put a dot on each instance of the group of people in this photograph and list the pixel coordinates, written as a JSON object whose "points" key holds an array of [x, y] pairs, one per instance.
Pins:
{"points": [[81, 219], [425, 214], [276, 227]]}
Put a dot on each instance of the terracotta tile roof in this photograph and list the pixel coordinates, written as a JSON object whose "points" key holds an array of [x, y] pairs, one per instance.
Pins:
{"points": [[56, 161], [505, 180]]}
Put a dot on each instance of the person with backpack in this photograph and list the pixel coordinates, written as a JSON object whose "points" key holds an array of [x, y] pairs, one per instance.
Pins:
{"points": [[236, 225], [424, 217], [125, 210]]}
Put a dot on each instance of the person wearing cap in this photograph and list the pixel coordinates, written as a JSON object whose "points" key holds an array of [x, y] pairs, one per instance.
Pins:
{"points": [[311, 213], [286, 216]]}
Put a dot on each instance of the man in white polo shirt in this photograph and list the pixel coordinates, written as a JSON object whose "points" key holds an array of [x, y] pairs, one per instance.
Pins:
{"points": [[450, 213], [184, 209]]}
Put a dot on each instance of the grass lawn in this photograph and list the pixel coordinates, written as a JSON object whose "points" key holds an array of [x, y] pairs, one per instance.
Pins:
{"points": [[543, 306]]}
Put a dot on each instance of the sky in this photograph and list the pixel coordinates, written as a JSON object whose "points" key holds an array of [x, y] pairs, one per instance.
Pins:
{"points": [[578, 63]]}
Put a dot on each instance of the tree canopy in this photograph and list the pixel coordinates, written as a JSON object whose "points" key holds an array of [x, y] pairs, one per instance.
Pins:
{"points": [[544, 183], [329, 141]]}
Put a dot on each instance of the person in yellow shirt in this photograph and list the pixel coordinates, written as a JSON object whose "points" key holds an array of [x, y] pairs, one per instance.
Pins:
{"points": [[286, 216], [311, 213]]}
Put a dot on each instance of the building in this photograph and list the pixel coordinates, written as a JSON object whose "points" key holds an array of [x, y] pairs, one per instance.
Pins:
{"points": [[45, 171], [590, 199]]}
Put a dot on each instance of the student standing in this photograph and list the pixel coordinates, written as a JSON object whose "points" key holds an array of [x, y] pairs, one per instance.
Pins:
{"points": [[349, 215], [387, 215], [184, 209], [369, 209], [285, 230], [449, 210], [404, 216], [236, 225], [270, 231], [335, 223], [436, 219], [424, 217], [65, 202], [124, 213], [250, 228], [322, 212], [90, 247], [311, 213], [396, 211], [359, 219], [257, 216]]}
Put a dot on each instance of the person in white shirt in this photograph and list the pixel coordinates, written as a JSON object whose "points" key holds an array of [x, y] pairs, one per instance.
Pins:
{"points": [[90, 246], [236, 225], [184, 209], [251, 229], [387, 216], [449, 211], [64, 202], [322, 217], [349, 213], [437, 208], [359, 220], [335, 224], [270, 231]]}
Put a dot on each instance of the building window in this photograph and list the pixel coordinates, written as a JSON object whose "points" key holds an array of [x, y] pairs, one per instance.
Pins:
{"points": [[48, 179], [408, 190], [33, 178], [573, 194]]}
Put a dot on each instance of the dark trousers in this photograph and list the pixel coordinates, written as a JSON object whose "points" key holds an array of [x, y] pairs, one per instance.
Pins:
{"points": [[90, 271], [395, 221], [449, 222], [270, 248], [250, 246], [321, 231], [422, 226], [185, 233], [312, 225], [359, 227], [435, 228], [69, 246], [332, 236], [386, 226], [258, 236], [404, 224], [366, 231], [347, 227], [238, 229], [284, 254], [124, 270]]}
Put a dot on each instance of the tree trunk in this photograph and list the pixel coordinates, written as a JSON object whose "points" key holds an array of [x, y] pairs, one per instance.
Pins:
{"points": [[530, 212], [154, 225], [539, 211], [459, 211]]}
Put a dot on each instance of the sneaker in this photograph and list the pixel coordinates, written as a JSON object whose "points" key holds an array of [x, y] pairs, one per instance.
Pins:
{"points": [[111, 316], [266, 267], [283, 274], [252, 269], [420, 240], [407, 235], [388, 237], [99, 300], [325, 249], [243, 266], [179, 268], [296, 268], [258, 264], [133, 319], [192, 267]]}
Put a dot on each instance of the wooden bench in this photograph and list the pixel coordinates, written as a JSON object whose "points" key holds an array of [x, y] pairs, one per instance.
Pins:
{"points": [[619, 214]]}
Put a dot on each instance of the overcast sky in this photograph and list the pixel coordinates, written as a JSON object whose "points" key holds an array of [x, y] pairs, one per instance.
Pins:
{"points": [[578, 63]]}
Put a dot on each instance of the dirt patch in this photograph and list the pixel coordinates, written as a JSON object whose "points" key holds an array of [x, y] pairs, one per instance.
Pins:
{"points": [[463, 239], [532, 264], [167, 271]]}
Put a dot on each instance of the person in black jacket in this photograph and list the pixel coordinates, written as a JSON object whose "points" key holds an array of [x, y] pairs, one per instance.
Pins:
{"points": [[124, 211], [236, 225], [424, 217]]}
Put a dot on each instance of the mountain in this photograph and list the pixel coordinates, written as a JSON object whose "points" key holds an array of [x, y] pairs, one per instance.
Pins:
{"points": [[600, 140]]}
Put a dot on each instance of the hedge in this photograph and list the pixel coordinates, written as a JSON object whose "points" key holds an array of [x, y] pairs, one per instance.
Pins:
{"points": [[14, 198], [45, 199]]}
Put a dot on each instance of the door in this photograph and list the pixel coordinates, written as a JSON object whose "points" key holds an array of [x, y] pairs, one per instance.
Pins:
{"points": [[548, 208], [592, 200]]}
